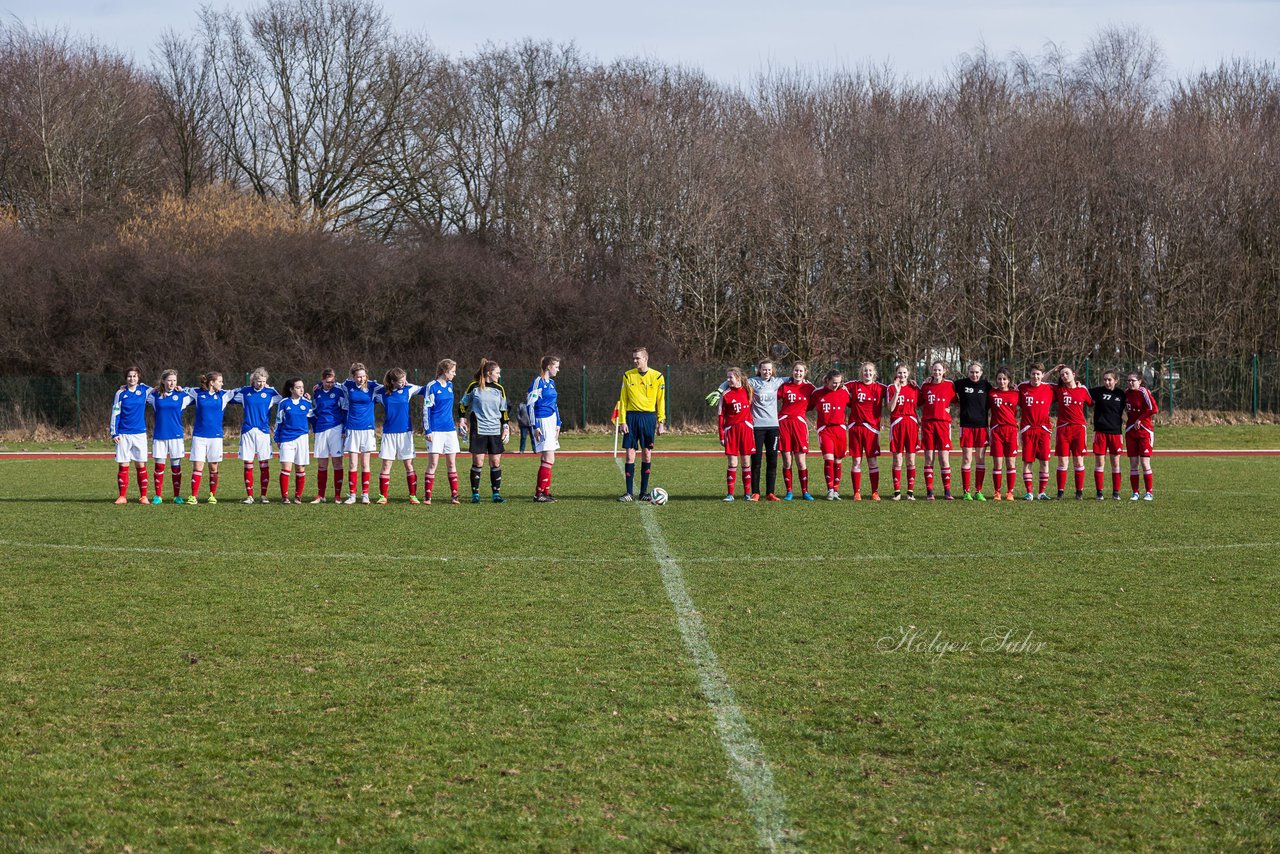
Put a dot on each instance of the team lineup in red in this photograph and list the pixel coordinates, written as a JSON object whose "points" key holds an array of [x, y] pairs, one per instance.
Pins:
{"points": [[765, 416]]}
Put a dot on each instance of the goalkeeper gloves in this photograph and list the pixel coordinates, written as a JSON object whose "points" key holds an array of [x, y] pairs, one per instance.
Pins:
{"points": [[714, 397]]}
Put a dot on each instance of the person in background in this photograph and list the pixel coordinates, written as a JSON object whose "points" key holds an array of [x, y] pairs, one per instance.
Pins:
{"points": [[524, 423]]}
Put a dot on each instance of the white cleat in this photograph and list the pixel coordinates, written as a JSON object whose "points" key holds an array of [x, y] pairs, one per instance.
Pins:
{"points": [[1148, 497], [319, 500], [364, 499], [1134, 497], [249, 500], [351, 499]]}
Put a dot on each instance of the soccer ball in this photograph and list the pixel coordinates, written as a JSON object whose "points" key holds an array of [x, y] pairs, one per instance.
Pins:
{"points": [[659, 496]]}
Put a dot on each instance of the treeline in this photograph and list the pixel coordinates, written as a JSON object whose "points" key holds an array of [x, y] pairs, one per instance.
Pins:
{"points": [[301, 182]]}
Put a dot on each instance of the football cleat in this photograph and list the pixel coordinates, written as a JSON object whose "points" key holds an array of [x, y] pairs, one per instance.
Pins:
{"points": [[807, 497], [789, 496], [158, 500], [978, 496], [413, 499], [1044, 496], [319, 499], [382, 499], [1030, 496], [1148, 497], [364, 498], [249, 500], [625, 498], [264, 500], [454, 499], [772, 497], [144, 500], [928, 495], [646, 497], [193, 500], [755, 496], [1101, 497], [122, 500], [857, 496], [542, 498], [728, 497], [1116, 496], [350, 499], [897, 495], [285, 500], [212, 499], [831, 495], [178, 499], [1061, 494], [1079, 495], [968, 496], [1008, 496], [1134, 497], [947, 496], [911, 496], [875, 496], [498, 499]]}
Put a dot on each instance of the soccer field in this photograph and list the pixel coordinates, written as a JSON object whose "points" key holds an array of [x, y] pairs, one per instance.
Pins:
{"points": [[595, 676]]}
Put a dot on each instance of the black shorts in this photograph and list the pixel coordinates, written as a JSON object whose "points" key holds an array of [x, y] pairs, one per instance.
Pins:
{"points": [[486, 444]]}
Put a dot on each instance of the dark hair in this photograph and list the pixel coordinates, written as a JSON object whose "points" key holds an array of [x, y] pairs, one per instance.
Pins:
{"points": [[207, 378], [328, 372], [1036, 366], [393, 376], [548, 361], [831, 375], [288, 385]]}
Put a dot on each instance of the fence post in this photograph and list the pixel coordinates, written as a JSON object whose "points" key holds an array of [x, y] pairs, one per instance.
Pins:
{"points": [[584, 397], [77, 403], [1171, 406], [1086, 370], [1254, 385]]}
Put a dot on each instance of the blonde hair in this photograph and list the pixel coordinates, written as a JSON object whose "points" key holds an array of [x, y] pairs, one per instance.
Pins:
{"points": [[875, 372], [259, 372], [164, 375]]}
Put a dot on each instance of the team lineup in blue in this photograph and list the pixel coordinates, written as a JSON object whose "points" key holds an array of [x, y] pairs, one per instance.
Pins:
{"points": [[761, 419]]}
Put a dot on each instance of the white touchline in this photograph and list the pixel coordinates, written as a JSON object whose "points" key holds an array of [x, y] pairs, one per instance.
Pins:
{"points": [[747, 763]]}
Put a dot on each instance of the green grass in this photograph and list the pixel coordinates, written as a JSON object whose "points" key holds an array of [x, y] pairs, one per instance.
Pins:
{"points": [[512, 678], [1182, 436]]}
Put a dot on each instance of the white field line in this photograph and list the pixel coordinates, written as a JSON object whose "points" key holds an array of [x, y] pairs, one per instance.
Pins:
{"points": [[747, 763], [746, 559]]}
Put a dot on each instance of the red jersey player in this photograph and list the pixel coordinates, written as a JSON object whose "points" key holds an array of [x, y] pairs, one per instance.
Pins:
{"points": [[1072, 398], [936, 396], [1003, 402], [737, 432], [793, 429], [1139, 434], [904, 429], [865, 413], [1035, 402], [830, 402]]}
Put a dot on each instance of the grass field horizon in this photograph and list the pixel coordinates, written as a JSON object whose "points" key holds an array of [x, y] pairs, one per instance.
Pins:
{"points": [[1062, 675]]}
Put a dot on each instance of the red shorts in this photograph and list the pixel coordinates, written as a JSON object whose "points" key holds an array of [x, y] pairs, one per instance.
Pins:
{"points": [[793, 435], [904, 437], [974, 437], [1139, 441], [863, 441], [833, 440], [1004, 441], [1071, 440], [1105, 444], [739, 440], [1035, 444], [936, 436]]}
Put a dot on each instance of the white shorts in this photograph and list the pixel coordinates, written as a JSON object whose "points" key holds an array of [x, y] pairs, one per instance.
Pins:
{"points": [[255, 443], [295, 451], [329, 443], [132, 448], [397, 446], [206, 450], [442, 442], [359, 442], [168, 449], [550, 435]]}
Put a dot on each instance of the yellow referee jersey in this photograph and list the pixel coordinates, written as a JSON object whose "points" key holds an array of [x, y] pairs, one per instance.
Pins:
{"points": [[645, 392]]}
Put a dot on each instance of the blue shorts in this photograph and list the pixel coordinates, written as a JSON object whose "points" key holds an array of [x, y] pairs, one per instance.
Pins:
{"points": [[642, 427]]}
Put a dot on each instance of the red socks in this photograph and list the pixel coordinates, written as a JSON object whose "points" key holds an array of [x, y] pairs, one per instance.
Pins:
{"points": [[946, 478], [928, 478], [897, 479], [1080, 479], [264, 470], [746, 481], [299, 483], [122, 479], [248, 479], [804, 480], [453, 484], [966, 478], [875, 479], [176, 473], [786, 478], [1116, 480], [160, 479], [1062, 479], [324, 482], [365, 478], [911, 479], [982, 475], [1026, 480], [284, 484], [1150, 480], [544, 478], [351, 482], [142, 479], [1133, 479], [384, 484], [1097, 478], [857, 481], [412, 479], [995, 481], [196, 478], [730, 480]]}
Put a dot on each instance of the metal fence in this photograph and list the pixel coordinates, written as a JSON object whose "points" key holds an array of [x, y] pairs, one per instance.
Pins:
{"points": [[81, 403]]}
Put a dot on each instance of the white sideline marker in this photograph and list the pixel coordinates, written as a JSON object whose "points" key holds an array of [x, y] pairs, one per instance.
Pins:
{"points": [[747, 763]]}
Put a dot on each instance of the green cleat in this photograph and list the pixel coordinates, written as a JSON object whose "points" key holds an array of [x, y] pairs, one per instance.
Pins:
{"points": [[968, 496], [978, 496], [212, 499], [193, 500], [156, 499]]}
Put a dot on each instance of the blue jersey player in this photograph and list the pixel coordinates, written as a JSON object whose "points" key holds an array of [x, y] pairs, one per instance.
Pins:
{"points": [[544, 417], [129, 433], [257, 398], [211, 402], [442, 431]]}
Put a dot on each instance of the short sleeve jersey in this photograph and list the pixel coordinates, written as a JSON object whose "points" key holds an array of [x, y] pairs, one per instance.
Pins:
{"points": [[210, 407], [972, 398], [1004, 407], [257, 407], [935, 401], [395, 405], [359, 404], [1071, 404], [437, 407], [830, 404], [1108, 409], [129, 411], [735, 408], [168, 407], [1034, 404], [293, 419], [793, 399], [904, 406], [866, 404], [328, 407]]}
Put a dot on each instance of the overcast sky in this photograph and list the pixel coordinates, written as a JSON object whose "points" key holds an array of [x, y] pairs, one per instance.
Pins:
{"points": [[732, 41]]}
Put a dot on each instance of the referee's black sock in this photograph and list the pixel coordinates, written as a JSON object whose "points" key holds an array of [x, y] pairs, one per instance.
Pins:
{"points": [[631, 477], [644, 478], [475, 478], [495, 479]]}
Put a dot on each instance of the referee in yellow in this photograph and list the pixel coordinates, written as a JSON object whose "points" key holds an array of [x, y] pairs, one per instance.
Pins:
{"points": [[642, 410]]}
